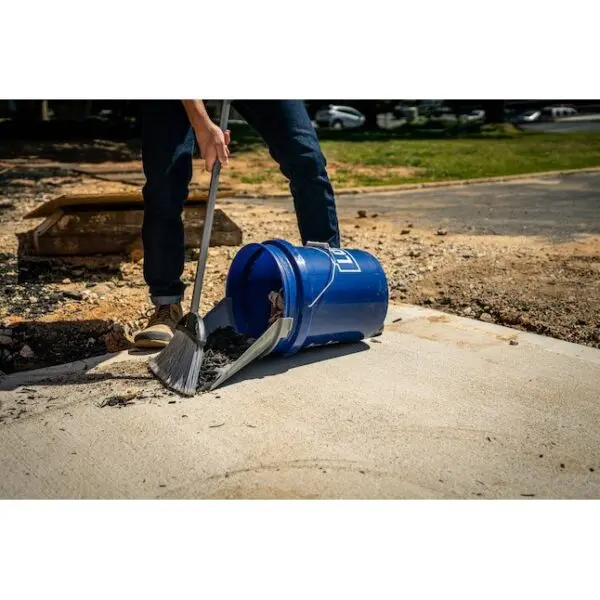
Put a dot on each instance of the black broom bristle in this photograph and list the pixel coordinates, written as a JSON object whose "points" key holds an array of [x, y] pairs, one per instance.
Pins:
{"points": [[178, 365]]}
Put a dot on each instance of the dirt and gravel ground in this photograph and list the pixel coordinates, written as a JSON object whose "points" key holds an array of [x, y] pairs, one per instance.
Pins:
{"points": [[540, 283]]}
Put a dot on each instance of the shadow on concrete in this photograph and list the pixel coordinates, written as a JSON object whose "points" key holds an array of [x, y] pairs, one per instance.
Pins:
{"points": [[78, 374], [277, 365]]}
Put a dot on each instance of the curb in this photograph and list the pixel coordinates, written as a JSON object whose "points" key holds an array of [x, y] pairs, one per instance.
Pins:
{"points": [[405, 187], [12, 381]]}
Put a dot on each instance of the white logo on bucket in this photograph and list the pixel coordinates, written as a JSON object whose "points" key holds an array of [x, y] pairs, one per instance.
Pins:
{"points": [[344, 261]]}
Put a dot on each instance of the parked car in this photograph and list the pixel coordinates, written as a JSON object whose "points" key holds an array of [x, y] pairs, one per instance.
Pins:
{"points": [[339, 117], [530, 116], [474, 116], [551, 113], [405, 111]]}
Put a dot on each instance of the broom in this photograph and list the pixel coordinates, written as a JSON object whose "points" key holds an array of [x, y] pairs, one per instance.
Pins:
{"points": [[178, 365]]}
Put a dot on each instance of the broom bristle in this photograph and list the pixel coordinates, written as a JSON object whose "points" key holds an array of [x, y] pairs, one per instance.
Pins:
{"points": [[178, 365]]}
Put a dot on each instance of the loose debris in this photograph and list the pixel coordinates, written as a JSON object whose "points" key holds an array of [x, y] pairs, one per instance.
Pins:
{"points": [[277, 306], [120, 400], [223, 347]]}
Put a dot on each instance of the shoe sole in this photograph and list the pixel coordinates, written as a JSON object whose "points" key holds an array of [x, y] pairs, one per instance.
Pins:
{"points": [[147, 343]]}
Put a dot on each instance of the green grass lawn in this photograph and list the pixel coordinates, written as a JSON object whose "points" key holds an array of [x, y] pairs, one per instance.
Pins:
{"points": [[382, 158]]}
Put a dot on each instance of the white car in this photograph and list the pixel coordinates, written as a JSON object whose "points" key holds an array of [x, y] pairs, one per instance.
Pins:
{"points": [[339, 117], [558, 112], [474, 116], [530, 116]]}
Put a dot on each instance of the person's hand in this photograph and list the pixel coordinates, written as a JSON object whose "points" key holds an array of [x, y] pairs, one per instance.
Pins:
{"points": [[212, 141], [214, 144]]}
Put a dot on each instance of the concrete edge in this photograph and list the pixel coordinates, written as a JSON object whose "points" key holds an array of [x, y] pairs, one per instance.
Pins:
{"points": [[410, 312], [403, 312], [406, 187], [14, 380]]}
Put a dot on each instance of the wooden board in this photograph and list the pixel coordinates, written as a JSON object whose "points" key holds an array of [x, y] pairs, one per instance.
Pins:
{"points": [[90, 232], [120, 201]]}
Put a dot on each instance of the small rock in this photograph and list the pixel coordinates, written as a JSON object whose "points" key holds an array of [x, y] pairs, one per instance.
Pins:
{"points": [[121, 283], [486, 317], [66, 281], [429, 300], [91, 341], [513, 342], [468, 311], [5, 340], [374, 216], [26, 352], [441, 232], [405, 232], [362, 214], [77, 272], [32, 299], [101, 289], [414, 253]]}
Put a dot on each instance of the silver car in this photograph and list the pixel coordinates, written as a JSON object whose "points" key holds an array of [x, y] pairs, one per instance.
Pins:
{"points": [[339, 117]]}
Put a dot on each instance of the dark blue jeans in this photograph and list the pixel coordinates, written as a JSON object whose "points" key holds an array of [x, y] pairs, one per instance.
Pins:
{"points": [[167, 147]]}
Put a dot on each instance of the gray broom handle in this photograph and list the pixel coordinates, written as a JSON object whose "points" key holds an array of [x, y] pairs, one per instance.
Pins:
{"points": [[208, 219]]}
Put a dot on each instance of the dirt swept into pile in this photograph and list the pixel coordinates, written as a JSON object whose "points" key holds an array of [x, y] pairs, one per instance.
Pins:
{"points": [[223, 347]]}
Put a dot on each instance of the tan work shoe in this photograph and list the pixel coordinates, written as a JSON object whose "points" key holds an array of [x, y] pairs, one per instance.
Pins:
{"points": [[160, 328]]}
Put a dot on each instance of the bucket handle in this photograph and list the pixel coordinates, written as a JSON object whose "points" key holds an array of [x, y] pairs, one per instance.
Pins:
{"points": [[324, 248]]}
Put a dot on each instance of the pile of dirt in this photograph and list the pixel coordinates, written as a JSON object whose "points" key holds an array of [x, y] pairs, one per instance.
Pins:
{"points": [[223, 347]]}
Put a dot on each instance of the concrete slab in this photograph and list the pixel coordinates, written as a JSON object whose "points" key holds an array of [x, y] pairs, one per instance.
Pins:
{"points": [[438, 407]]}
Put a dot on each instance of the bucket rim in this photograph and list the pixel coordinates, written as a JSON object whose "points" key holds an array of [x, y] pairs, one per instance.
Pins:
{"points": [[292, 285]]}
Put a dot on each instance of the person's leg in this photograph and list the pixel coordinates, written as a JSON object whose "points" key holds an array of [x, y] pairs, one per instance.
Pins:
{"points": [[286, 128], [167, 147]]}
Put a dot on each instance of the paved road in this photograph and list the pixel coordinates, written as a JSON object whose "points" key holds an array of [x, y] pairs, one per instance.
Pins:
{"points": [[555, 207], [563, 127], [440, 407]]}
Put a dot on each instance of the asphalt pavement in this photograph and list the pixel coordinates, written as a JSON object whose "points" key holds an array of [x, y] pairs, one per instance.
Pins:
{"points": [[556, 207], [562, 126]]}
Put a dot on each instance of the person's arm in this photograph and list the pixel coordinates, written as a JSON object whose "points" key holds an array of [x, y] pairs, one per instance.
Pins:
{"points": [[212, 141]]}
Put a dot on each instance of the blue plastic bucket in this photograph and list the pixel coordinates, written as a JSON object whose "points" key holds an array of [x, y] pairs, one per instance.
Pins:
{"points": [[333, 295]]}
